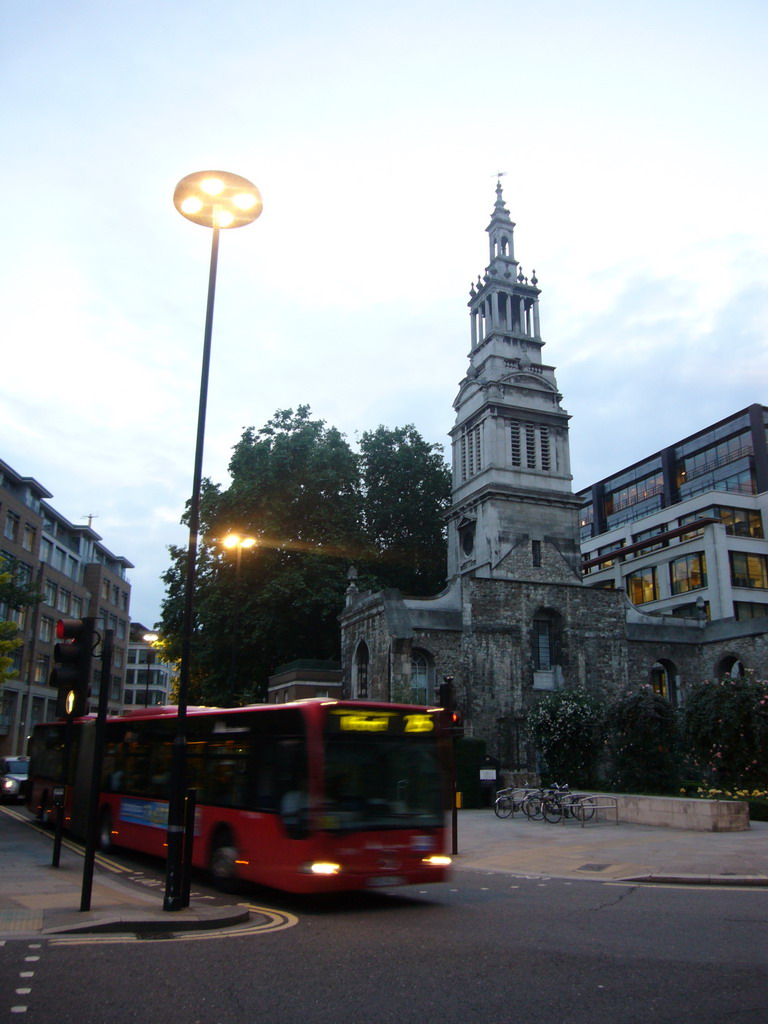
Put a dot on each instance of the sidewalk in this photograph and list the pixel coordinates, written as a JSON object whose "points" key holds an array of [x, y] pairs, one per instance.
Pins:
{"points": [[608, 851], [38, 899]]}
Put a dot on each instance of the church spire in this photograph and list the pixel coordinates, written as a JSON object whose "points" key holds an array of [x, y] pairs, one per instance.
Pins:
{"points": [[511, 460], [501, 232]]}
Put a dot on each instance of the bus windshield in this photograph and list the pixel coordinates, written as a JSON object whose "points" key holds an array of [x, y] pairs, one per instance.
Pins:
{"points": [[378, 776]]}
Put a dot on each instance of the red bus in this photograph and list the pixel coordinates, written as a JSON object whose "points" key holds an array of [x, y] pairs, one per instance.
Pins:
{"points": [[312, 796]]}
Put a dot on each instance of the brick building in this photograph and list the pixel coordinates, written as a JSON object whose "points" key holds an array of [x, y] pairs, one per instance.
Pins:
{"points": [[77, 576]]}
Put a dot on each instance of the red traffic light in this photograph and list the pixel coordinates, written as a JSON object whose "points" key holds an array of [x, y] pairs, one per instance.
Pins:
{"points": [[71, 673], [70, 629]]}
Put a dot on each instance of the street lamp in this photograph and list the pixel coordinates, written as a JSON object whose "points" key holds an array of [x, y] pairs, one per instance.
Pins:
{"points": [[236, 542], [150, 639], [216, 200]]}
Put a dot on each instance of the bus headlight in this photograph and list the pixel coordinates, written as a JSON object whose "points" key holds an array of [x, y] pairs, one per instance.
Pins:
{"points": [[324, 867], [437, 861]]}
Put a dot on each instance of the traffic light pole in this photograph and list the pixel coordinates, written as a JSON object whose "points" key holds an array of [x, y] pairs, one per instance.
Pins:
{"points": [[92, 830]]}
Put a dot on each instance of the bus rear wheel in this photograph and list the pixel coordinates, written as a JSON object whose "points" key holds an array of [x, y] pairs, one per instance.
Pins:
{"points": [[222, 861]]}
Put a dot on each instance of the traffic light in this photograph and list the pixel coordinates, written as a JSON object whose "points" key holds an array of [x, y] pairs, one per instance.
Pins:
{"points": [[71, 673], [456, 724]]}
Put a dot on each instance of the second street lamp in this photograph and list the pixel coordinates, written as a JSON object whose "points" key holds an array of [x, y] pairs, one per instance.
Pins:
{"points": [[149, 639], [238, 543], [216, 200]]}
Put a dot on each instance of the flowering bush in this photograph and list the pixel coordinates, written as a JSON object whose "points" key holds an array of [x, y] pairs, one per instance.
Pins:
{"points": [[725, 726], [641, 730], [567, 729]]}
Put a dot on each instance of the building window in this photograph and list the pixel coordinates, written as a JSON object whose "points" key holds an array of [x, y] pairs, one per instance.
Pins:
{"points": [[50, 593], [530, 445], [471, 452], [77, 607], [361, 670], [514, 429], [28, 538], [688, 573], [62, 602], [749, 570], [545, 641], [11, 526], [46, 629], [642, 586], [749, 610], [546, 459], [420, 678], [105, 589], [664, 680], [536, 552]]}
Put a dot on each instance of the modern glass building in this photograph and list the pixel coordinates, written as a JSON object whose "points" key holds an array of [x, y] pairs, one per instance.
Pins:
{"points": [[683, 531]]}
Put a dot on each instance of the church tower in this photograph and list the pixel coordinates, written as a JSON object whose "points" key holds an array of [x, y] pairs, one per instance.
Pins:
{"points": [[513, 514]]}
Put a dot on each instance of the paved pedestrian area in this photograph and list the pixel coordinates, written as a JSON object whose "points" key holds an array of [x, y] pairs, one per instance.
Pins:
{"points": [[609, 851]]}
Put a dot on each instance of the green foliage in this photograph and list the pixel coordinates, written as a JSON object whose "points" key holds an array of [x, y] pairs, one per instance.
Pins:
{"points": [[296, 486], [406, 487], [641, 733], [725, 729], [14, 594], [567, 729], [10, 639]]}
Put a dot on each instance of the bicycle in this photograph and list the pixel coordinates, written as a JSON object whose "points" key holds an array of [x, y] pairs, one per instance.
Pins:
{"points": [[560, 803], [508, 801]]}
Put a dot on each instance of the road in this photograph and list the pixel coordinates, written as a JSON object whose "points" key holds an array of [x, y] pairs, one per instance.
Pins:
{"points": [[481, 949]]}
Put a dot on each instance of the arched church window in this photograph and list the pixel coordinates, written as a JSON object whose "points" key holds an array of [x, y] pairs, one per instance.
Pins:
{"points": [[467, 539], [362, 657], [664, 680], [730, 667], [422, 676]]}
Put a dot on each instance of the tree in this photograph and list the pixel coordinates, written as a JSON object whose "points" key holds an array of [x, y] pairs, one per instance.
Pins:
{"points": [[642, 741], [406, 489], [15, 594], [295, 487], [567, 729]]}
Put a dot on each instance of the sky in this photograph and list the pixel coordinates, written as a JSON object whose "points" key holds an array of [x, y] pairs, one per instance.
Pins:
{"points": [[632, 137]]}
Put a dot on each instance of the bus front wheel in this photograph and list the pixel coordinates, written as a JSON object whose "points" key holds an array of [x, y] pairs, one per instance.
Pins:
{"points": [[222, 861]]}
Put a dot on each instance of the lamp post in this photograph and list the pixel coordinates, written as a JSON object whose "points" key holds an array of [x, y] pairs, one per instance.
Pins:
{"points": [[150, 639], [216, 200]]}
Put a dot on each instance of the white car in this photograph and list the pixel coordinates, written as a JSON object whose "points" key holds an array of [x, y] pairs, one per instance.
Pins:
{"points": [[14, 774]]}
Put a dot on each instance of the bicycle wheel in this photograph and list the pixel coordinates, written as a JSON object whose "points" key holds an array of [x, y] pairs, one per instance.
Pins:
{"points": [[586, 808], [503, 807], [552, 810], [532, 807], [571, 807]]}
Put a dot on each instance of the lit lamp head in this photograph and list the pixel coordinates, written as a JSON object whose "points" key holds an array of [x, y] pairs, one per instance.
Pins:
{"points": [[234, 540], [217, 199]]}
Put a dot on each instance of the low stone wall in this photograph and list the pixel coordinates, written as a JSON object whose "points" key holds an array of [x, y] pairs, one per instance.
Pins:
{"points": [[684, 812]]}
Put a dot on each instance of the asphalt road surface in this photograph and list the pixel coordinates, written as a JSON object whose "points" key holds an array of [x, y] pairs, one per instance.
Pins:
{"points": [[481, 949]]}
